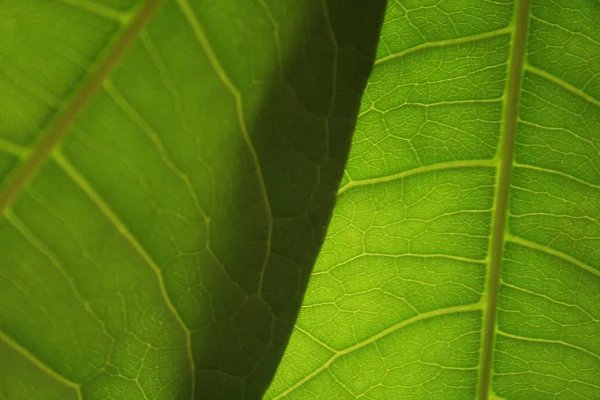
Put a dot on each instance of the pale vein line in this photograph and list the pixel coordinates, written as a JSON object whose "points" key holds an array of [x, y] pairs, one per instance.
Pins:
{"points": [[506, 156], [550, 215], [161, 66], [14, 149], [80, 100], [564, 84], [562, 28], [314, 339], [37, 243], [553, 252], [434, 104], [40, 364], [100, 9], [550, 299], [432, 255], [398, 256], [168, 83], [121, 102], [551, 341], [547, 376], [450, 102], [555, 172], [37, 90], [104, 207], [559, 129], [380, 335], [421, 170], [342, 385], [227, 82], [442, 43], [276, 35]]}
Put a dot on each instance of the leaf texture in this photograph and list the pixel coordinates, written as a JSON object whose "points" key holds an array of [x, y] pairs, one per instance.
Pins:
{"points": [[167, 171], [463, 258]]}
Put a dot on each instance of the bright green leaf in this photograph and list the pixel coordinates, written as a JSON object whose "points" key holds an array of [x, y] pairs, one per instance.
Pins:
{"points": [[463, 258], [167, 171]]}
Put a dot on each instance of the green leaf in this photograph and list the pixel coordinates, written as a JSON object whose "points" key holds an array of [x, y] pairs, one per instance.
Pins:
{"points": [[167, 171], [463, 257]]}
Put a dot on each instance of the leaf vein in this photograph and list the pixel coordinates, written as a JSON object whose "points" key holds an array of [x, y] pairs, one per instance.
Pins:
{"points": [[545, 249], [564, 84], [10, 342], [194, 23], [501, 201], [374, 338], [416, 171], [105, 208], [81, 99], [442, 43]]}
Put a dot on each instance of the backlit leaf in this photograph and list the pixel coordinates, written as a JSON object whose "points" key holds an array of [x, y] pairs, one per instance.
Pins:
{"points": [[463, 258]]}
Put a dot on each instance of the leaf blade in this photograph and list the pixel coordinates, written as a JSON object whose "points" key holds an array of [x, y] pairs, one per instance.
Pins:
{"points": [[410, 125], [162, 270]]}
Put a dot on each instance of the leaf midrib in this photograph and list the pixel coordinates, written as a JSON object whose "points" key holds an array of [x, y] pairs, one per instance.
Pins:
{"points": [[51, 140], [80, 100], [507, 147]]}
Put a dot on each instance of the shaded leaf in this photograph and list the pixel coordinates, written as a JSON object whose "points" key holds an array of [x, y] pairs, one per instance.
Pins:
{"points": [[167, 172]]}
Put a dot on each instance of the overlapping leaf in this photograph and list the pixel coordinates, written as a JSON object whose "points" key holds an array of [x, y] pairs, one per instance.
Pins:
{"points": [[159, 222]]}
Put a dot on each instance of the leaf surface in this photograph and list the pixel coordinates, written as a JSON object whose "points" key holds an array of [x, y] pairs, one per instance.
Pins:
{"points": [[167, 171], [463, 258]]}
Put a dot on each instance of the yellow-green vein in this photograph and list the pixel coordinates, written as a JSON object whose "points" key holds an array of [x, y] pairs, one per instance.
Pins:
{"points": [[506, 155]]}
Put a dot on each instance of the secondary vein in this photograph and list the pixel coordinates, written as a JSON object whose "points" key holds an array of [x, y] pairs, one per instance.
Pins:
{"points": [[507, 147], [80, 100], [225, 79], [46, 368], [372, 339]]}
